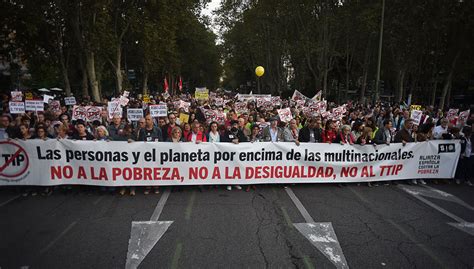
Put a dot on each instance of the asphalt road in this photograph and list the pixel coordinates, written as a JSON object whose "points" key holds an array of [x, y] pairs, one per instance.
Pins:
{"points": [[379, 227]]}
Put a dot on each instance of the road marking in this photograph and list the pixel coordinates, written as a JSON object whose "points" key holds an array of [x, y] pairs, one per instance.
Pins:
{"points": [[307, 217], [10, 200], [145, 234], [189, 207], [161, 204], [461, 224], [403, 231], [176, 255], [447, 196], [320, 234], [68, 228]]}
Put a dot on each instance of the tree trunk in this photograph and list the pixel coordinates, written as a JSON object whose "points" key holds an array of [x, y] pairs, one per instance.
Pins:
{"points": [[401, 82], [85, 79], [94, 84], [67, 84], [363, 86], [118, 69], [448, 81]]}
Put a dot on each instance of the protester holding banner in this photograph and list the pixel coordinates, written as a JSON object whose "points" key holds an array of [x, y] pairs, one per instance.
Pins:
{"points": [[150, 132], [384, 135], [345, 136], [273, 133], [81, 132], [196, 135], [312, 132], [291, 133], [213, 136], [330, 132]]}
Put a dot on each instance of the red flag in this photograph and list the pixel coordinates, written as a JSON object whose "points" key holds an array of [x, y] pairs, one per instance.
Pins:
{"points": [[180, 85], [166, 87]]}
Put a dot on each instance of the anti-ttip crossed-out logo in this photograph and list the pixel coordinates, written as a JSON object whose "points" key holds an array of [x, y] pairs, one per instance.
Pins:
{"points": [[14, 161]]}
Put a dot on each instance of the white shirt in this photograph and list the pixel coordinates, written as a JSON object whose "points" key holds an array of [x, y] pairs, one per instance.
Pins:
{"points": [[438, 132]]}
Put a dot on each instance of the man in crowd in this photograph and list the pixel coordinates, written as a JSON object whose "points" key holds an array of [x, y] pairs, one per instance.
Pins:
{"points": [[312, 132], [150, 132], [384, 134], [116, 129], [441, 129], [273, 133], [166, 130]]}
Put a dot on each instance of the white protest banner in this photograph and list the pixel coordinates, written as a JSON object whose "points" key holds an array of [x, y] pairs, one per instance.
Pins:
{"points": [[285, 114], [134, 114], [115, 163], [55, 105], [79, 113], [276, 100], [298, 96], [34, 105], [464, 115], [70, 101], [184, 105], [86, 113], [47, 98], [213, 115], [338, 112], [94, 113], [317, 97], [160, 110], [17, 96], [114, 109], [17, 107], [123, 100], [416, 116], [241, 107], [126, 93]]}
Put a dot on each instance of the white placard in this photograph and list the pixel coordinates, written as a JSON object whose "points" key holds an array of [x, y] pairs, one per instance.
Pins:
{"points": [[17, 96], [114, 109], [160, 110], [34, 105], [70, 101], [134, 114], [17, 107]]}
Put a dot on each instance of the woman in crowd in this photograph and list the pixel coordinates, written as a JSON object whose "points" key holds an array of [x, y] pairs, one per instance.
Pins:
{"points": [[366, 137], [357, 129], [176, 135], [81, 132], [213, 136], [101, 133], [329, 133], [345, 136]]}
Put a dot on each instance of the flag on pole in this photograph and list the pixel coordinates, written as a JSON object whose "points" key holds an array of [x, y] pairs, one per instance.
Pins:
{"points": [[180, 85], [166, 87]]}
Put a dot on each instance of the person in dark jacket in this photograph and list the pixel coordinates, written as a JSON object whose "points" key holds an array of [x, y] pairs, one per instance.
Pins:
{"points": [[404, 135], [234, 135], [312, 132], [384, 134]]}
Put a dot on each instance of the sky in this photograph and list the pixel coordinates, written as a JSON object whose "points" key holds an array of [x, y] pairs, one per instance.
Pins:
{"points": [[211, 6]]}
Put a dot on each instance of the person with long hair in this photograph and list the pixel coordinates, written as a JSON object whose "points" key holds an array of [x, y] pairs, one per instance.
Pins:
{"points": [[329, 133]]}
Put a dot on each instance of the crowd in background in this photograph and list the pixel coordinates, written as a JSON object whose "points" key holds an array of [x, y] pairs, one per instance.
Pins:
{"points": [[362, 124]]}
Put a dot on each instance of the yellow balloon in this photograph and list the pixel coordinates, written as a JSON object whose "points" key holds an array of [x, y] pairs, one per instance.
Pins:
{"points": [[259, 71]]}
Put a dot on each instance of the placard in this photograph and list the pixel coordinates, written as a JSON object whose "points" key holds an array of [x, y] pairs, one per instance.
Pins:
{"points": [[17, 107], [70, 101], [160, 110], [34, 105], [134, 114]]}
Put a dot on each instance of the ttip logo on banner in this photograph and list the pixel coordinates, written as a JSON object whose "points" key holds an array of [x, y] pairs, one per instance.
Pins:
{"points": [[14, 161]]}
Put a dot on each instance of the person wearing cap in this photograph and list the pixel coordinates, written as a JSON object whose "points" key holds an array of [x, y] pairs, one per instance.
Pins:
{"points": [[273, 133]]}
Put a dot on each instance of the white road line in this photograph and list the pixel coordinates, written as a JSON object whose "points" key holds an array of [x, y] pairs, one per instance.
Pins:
{"points": [[307, 217], [404, 232], [445, 212], [68, 228], [98, 200], [160, 205], [9, 200], [457, 200]]}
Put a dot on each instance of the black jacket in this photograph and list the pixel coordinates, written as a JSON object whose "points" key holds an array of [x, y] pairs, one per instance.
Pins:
{"points": [[228, 136], [304, 135]]}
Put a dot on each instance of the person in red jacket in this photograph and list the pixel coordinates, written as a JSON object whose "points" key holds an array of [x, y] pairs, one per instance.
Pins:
{"points": [[329, 133], [196, 135]]}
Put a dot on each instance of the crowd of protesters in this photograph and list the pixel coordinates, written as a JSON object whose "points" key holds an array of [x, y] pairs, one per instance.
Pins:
{"points": [[370, 125]]}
